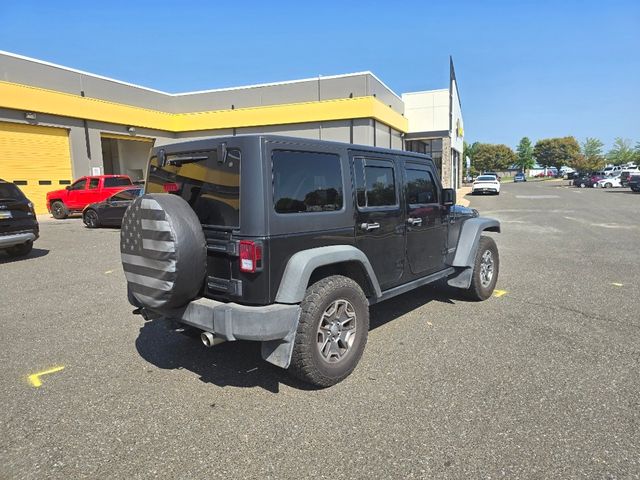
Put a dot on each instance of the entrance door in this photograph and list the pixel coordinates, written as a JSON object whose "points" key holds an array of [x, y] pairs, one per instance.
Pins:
{"points": [[426, 220], [379, 219]]}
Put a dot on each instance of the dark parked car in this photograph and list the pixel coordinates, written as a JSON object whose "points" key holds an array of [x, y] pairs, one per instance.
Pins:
{"points": [[288, 241], [587, 180], [18, 224], [634, 183], [625, 175], [520, 177], [109, 212]]}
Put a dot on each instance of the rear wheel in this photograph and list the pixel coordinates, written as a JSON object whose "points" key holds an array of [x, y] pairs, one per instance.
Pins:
{"points": [[58, 210], [20, 250], [91, 219], [485, 270], [332, 331]]}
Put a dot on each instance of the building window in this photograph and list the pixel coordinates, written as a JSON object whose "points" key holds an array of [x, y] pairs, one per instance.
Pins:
{"points": [[431, 147]]}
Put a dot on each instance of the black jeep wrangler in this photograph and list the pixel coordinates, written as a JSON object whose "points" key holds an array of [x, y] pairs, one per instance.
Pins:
{"points": [[288, 241]]}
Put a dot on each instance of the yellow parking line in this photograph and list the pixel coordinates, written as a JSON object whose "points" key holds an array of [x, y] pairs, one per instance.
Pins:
{"points": [[499, 293], [34, 378]]}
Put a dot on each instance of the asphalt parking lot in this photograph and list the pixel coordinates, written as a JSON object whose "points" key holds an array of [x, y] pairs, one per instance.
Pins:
{"points": [[540, 381]]}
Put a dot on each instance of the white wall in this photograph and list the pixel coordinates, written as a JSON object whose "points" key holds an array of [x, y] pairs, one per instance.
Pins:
{"points": [[133, 157], [427, 111]]}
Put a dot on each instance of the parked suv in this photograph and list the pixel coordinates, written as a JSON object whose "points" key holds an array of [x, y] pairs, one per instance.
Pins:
{"points": [[289, 241], [18, 224]]}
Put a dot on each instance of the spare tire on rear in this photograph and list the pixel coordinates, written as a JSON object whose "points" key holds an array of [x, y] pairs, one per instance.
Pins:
{"points": [[163, 250]]}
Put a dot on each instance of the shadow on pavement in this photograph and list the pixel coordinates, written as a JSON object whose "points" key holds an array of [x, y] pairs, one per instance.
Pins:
{"points": [[35, 253], [627, 192], [239, 364]]}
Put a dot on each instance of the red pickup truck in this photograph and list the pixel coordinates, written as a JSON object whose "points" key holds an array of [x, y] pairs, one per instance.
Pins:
{"points": [[84, 191]]}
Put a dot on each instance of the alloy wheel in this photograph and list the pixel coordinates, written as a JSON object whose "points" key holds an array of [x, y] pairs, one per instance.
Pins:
{"points": [[486, 268], [336, 331]]}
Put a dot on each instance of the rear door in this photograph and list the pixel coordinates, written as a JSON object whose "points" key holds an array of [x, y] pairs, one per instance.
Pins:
{"points": [[380, 231], [426, 220]]}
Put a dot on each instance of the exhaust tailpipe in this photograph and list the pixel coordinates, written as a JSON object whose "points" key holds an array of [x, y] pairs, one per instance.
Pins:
{"points": [[209, 339]]}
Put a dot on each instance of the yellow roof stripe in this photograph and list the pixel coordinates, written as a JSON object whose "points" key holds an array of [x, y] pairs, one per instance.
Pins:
{"points": [[35, 99]]}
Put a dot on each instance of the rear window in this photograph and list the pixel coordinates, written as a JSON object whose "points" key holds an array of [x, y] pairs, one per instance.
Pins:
{"points": [[488, 178], [209, 186], [115, 182], [305, 182], [10, 192]]}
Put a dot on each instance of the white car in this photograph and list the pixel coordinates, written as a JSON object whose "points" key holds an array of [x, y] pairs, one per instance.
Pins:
{"points": [[486, 184], [609, 182]]}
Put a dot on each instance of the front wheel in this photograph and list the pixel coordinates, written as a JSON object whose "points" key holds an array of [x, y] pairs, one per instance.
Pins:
{"points": [[59, 211], [91, 219], [485, 270], [332, 331]]}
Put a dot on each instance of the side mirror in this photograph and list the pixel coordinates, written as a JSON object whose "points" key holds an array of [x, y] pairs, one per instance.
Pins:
{"points": [[448, 197], [68, 187]]}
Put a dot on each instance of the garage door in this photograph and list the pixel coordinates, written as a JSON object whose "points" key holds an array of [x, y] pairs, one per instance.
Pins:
{"points": [[35, 158]]}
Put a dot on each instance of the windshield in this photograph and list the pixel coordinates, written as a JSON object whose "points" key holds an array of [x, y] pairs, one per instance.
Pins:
{"points": [[211, 187], [8, 191]]}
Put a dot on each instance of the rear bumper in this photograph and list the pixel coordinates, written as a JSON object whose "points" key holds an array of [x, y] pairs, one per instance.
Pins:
{"points": [[485, 190], [13, 239], [231, 321]]}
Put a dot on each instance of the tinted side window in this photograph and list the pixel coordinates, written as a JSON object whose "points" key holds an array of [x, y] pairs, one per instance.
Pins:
{"points": [[375, 183], [79, 185], [306, 182], [93, 183], [420, 187], [116, 182]]}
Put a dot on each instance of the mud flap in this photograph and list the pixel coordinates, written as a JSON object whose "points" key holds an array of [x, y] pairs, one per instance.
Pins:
{"points": [[278, 352], [461, 279]]}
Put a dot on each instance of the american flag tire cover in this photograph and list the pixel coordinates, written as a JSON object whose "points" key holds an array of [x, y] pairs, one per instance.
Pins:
{"points": [[163, 251]]}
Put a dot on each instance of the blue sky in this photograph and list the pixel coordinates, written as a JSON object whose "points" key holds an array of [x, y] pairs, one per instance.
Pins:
{"points": [[539, 69]]}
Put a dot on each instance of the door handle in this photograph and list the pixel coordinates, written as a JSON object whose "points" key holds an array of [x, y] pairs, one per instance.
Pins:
{"points": [[369, 226], [416, 222]]}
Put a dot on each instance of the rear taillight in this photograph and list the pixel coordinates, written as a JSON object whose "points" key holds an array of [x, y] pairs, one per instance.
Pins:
{"points": [[250, 256], [171, 187]]}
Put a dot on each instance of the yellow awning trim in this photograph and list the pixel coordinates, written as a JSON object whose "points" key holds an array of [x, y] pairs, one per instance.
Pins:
{"points": [[34, 99]]}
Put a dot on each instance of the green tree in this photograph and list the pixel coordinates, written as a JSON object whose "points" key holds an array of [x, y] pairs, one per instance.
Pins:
{"points": [[556, 152], [487, 156], [469, 151], [525, 154], [591, 157], [621, 152]]}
